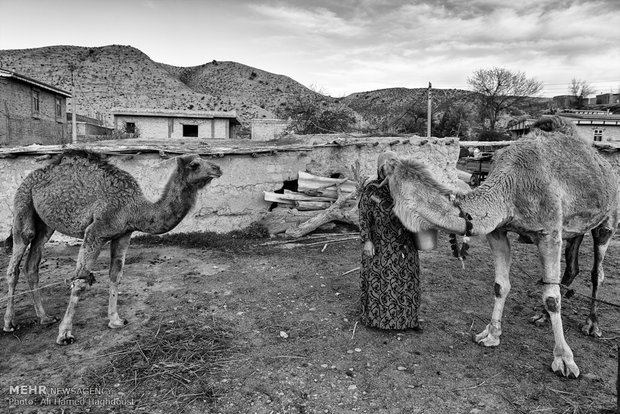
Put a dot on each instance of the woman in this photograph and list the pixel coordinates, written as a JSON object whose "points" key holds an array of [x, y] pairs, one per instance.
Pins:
{"points": [[390, 266]]}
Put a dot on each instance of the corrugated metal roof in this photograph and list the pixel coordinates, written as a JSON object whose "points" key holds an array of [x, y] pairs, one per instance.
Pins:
{"points": [[10, 74]]}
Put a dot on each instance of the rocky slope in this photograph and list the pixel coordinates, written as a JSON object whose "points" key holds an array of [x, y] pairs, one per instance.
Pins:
{"points": [[124, 77]]}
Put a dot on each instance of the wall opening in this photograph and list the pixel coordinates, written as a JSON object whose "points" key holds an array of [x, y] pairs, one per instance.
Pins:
{"points": [[290, 185], [190, 131]]}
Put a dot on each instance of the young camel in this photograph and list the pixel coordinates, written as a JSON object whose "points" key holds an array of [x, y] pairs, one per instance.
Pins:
{"points": [[547, 187], [81, 195]]}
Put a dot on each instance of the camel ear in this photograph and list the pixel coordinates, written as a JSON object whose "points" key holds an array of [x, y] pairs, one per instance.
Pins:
{"points": [[188, 162], [194, 165], [389, 166]]}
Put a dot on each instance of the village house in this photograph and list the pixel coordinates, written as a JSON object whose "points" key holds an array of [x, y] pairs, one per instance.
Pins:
{"points": [[163, 123], [608, 99], [31, 112], [594, 126], [519, 127]]}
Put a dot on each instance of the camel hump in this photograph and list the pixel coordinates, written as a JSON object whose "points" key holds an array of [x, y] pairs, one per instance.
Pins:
{"points": [[86, 172], [83, 154], [553, 123]]}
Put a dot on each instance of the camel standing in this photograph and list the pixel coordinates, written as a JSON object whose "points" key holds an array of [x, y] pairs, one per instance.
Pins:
{"points": [[547, 187], [81, 195]]}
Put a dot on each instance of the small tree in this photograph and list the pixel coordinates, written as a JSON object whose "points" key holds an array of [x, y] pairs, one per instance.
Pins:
{"points": [[580, 90], [315, 114], [501, 89], [456, 121]]}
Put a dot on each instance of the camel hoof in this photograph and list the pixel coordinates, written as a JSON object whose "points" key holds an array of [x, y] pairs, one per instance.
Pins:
{"points": [[484, 338], [591, 329], [488, 341], [539, 319], [117, 325], [10, 328], [65, 339], [49, 320], [565, 368]]}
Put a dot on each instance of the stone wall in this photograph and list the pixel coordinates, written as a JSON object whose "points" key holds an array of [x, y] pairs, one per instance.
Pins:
{"points": [[235, 200], [268, 129]]}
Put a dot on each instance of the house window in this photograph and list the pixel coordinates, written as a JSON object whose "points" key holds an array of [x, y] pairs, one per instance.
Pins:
{"points": [[58, 108], [190, 130], [130, 127], [598, 135], [36, 101]]}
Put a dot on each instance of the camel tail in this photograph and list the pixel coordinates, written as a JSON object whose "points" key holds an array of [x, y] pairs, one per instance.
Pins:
{"points": [[8, 244]]}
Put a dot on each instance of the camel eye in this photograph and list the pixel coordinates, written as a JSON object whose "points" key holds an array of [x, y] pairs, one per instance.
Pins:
{"points": [[194, 165]]}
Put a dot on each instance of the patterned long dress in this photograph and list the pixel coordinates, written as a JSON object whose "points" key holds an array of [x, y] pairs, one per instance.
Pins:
{"points": [[390, 279]]}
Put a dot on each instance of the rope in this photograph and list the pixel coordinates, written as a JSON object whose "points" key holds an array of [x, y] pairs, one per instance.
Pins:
{"points": [[460, 252], [6, 298], [570, 292]]}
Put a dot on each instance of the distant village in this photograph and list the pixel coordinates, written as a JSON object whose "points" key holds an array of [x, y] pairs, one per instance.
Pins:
{"points": [[36, 113]]}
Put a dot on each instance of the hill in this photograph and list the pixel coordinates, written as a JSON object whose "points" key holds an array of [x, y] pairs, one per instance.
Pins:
{"points": [[122, 76], [241, 85]]}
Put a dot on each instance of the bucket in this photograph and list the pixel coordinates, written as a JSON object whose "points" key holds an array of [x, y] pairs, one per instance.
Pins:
{"points": [[425, 239]]}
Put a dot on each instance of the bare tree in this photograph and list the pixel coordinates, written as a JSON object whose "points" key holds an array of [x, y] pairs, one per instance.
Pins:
{"points": [[580, 90], [501, 89]]}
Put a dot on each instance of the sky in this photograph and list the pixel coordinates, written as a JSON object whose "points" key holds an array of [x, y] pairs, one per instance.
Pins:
{"points": [[345, 46]]}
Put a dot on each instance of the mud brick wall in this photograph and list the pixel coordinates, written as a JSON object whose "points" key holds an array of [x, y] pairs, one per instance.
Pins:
{"points": [[20, 125], [236, 199]]}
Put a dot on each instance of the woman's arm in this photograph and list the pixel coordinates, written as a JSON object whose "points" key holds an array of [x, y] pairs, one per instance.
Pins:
{"points": [[367, 220]]}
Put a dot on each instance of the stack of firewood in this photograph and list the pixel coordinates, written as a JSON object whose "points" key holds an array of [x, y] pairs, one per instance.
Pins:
{"points": [[313, 193], [317, 201]]}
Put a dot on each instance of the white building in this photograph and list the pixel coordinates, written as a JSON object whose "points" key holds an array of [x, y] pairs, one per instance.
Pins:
{"points": [[163, 123]]}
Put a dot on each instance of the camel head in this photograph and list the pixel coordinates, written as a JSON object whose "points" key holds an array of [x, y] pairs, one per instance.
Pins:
{"points": [[420, 201], [197, 172]]}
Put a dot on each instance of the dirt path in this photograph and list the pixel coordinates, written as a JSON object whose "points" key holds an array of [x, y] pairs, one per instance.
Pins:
{"points": [[288, 340]]}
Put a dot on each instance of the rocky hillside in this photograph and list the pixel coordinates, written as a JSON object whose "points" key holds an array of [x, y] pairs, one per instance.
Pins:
{"points": [[398, 100], [123, 77], [241, 85]]}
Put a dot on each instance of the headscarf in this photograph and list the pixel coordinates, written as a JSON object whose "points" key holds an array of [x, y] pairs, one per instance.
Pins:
{"points": [[384, 158]]}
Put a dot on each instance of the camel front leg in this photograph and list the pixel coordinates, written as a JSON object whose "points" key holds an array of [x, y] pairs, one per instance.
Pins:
{"points": [[601, 236], [571, 258], [86, 259], [549, 247], [118, 251], [500, 246]]}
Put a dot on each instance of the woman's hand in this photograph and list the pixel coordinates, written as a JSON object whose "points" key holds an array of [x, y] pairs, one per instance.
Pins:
{"points": [[369, 249]]}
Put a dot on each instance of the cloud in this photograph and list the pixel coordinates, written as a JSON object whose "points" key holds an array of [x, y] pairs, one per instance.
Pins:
{"points": [[316, 21]]}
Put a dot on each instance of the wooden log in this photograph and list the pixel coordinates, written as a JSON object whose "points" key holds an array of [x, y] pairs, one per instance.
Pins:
{"points": [[279, 220], [312, 205], [276, 198], [336, 212], [307, 197], [323, 186], [289, 197], [319, 205]]}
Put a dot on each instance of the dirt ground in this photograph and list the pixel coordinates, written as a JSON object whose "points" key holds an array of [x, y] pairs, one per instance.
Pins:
{"points": [[282, 326]]}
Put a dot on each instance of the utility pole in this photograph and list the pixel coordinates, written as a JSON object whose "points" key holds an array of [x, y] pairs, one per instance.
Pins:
{"points": [[429, 117], [73, 107]]}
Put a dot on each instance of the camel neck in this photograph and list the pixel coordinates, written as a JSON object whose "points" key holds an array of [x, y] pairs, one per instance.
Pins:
{"points": [[167, 212], [487, 207], [483, 205]]}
